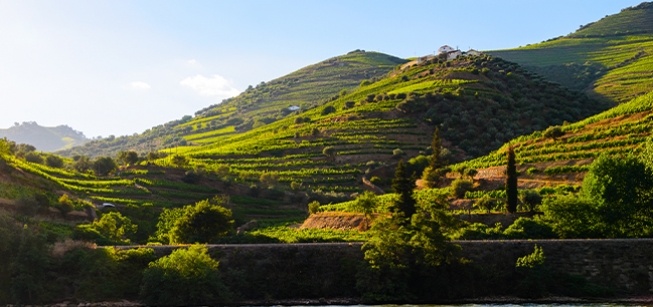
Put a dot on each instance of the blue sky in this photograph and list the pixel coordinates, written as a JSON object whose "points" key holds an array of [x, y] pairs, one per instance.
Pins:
{"points": [[121, 67]]}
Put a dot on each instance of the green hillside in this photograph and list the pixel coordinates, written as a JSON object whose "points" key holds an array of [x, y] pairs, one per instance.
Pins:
{"points": [[478, 102], [611, 58], [631, 20], [265, 103], [44, 138]]}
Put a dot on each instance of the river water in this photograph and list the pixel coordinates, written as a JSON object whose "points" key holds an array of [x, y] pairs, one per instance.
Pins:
{"points": [[502, 305]]}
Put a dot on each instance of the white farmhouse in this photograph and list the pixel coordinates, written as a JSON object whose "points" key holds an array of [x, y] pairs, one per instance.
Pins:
{"points": [[445, 49], [453, 54], [293, 108], [473, 52]]}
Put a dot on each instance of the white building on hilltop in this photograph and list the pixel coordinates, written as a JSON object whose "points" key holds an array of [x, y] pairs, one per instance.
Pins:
{"points": [[445, 49]]}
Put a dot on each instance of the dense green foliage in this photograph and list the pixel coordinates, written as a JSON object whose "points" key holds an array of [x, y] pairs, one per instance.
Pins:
{"points": [[185, 277], [204, 222]]}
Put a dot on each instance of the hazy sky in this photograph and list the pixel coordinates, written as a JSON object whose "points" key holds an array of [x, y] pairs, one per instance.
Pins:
{"points": [[121, 67]]}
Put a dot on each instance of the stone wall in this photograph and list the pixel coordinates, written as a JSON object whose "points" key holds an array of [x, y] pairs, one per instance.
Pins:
{"points": [[620, 264], [328, 269]]}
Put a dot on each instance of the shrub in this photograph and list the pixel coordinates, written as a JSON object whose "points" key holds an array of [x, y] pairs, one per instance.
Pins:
{"points": [[54, 161], [34, 158], [553, 132], [461, 186], [328, 110], [485, 203], [532, 170], [202, 223], [527, 228], [397, 153], [366, 203], [530, 200], [269, 179], [314, 207]]}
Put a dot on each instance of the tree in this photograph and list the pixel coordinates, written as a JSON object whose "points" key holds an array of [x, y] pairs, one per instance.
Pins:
{"points": [[469, 173], [365, 203], [103, 166], [485, 203], [202, 223], [511, 181], [530, 199], [65, 205], [330, 153], [82, 164], [54, 161], [553, 132], [29, 270], [129, 157], [269, 179], [402, 251], [404, 184], [151, 156], [397, 153], [572, 217], [185, 277], [460, 187], [433, 173], [33, 157], [222, 171], [179, 161], [313, 207], [114, 227], [328, 110], [621, 189]]}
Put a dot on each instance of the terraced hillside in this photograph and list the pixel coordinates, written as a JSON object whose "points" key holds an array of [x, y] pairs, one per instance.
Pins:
{"points": [[610, 58], [478, 102], [265, 103], [619, 131], [163, 188]]}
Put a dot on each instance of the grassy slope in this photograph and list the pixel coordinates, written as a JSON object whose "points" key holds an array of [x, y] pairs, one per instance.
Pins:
{"points": [[612, 58], [309, 86], [479, 102]]}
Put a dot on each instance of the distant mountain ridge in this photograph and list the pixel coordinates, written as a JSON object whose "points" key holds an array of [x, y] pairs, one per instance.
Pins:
{"points": [[44, 138]]}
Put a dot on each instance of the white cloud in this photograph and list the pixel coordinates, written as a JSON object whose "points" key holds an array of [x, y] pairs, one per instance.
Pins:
{"points": [[192, 62], [211, 86], [140, 85]]}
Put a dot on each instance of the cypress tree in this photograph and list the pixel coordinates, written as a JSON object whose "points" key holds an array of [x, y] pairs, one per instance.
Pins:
{"points": [[434, 172], [403, 184], [511, 181], [436, 146]]}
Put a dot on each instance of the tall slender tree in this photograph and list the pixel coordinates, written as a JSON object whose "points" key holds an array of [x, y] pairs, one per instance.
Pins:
{"points": [[436, 146], [434, 172], [511, 181], [404, 184]]}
